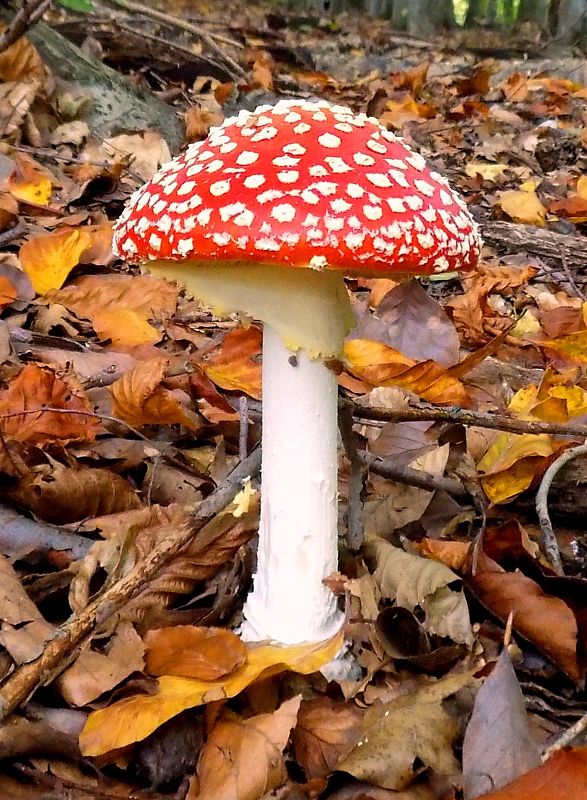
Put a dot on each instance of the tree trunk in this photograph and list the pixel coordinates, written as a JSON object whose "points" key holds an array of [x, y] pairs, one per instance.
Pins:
{"points": [[570, 23], [427, 19], [399, 14], [535, 11]]}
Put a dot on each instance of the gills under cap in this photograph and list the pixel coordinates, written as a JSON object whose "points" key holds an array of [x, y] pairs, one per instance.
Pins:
{"points": [[301, 184]]}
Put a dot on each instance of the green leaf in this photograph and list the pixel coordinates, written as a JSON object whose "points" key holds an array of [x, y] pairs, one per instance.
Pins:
{"points": [[77, 5]]}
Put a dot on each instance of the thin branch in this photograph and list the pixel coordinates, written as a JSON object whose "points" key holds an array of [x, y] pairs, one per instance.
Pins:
{"points": [[566, 738], [60, 650], [499, 422], [548, 537], [210, 39], [27, 16], [412, 477]]}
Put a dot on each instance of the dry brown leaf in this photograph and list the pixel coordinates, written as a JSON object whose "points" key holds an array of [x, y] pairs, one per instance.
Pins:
{"points": [[542, 619], [21, 62], [235, 364], [144, 152], [16, 99], [191, 652], [411, 727], [140, 399], [34, 388], [134, 718], [61, 494], [243, 758], [326, 732], [94, 673], [148, 297]]}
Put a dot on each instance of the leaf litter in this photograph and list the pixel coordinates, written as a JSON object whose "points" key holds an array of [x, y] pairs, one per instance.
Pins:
{"points": [[124, 404]]}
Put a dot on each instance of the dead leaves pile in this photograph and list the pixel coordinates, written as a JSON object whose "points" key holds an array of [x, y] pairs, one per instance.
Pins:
{"points": [[121, 407]]}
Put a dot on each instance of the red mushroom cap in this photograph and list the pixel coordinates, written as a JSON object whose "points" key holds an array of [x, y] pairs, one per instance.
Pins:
{"points": [[301, 184]]}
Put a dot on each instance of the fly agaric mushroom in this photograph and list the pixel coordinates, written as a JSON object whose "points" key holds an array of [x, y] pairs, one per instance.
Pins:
{"points": [[265, 217]]}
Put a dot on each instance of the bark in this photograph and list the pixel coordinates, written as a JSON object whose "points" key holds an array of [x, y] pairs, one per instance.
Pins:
{"points": [[427, 19]]}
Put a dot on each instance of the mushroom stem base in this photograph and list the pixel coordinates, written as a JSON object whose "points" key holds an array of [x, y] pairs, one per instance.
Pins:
{"points": [[298, 531]]}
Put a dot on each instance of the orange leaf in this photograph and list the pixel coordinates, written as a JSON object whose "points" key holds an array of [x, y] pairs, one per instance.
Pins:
{"points": [[8, 293], [524, 207], [563, 776], [134, 718], [37, 387], [124, 328], [243, 758], [139, 398], [21, 62], [30, 182], [235, 364], [49, 259], [190, 652], [381, 365]]}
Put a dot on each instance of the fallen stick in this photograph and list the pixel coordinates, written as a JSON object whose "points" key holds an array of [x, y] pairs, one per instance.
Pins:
{"points": [[59, 650]]}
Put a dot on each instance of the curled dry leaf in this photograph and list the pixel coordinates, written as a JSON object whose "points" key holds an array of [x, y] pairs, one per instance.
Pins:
{"points": [[236, 364], [542, 619], [413, 581], [190, 652], [16, 99], [243, 758], [140, 399], [326, 732], [215, 545], [62, 495], [34, 388], [380, 365], [134, 718]]}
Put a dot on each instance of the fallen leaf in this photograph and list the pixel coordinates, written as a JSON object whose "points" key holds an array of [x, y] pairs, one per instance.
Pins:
{"points": [[29, 182], [235, 364], [207, 654], [49, 259], [565, 773], [524, 207], [412, 727], [498, 745], [124, 328], [140, 399], [35, 388], [21, 62], [326, 732], [134, 718], [243, 758]]}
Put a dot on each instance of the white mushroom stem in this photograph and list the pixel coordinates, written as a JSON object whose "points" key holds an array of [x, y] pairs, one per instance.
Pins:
{"points": [[298, 530], [306, 315]]}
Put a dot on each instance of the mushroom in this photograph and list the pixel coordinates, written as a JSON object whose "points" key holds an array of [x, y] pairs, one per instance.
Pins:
{"points": [[265, 217]]}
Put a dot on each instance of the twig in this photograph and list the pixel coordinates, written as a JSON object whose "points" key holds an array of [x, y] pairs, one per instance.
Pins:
{"points": [[499, 422], [548, 538], [566, 737], [569, 274], [30, 13], [243, 431], [210, 39], [58, 651], [412, 477], [12, 233]]}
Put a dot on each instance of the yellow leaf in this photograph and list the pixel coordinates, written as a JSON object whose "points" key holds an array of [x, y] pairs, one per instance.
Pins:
{"points": [[134, 718], [30, 183], [511, 464], [381, 365], [582, 187], [125, 328], [523, 207], [489, 172], [573, 346], [49, 259]]}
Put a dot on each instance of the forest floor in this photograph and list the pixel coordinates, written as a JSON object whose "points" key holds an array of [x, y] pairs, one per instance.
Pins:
{"points": [[129, 417]]}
